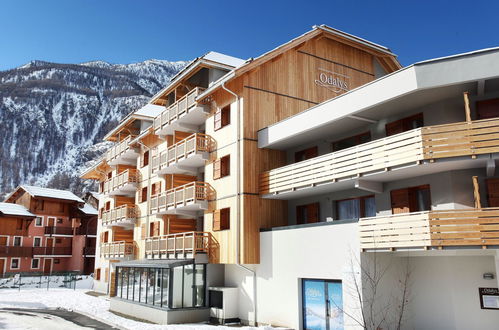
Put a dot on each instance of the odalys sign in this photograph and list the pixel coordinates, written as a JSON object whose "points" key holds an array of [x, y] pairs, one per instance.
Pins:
{"points": [[335, 82]]}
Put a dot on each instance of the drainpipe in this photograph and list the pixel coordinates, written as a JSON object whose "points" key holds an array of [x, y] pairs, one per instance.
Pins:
{"points": [[238, 206]]}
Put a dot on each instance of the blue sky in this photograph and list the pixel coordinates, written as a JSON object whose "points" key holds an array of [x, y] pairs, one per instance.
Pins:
{"points": [[125, 31]]}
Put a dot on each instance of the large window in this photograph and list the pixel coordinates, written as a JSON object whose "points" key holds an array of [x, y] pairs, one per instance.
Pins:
{"points": [[178, 287], [404, 124], [351, 141], [413, 199], [355, 208]]}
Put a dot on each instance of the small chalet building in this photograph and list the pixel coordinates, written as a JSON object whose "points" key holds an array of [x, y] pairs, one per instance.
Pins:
{"points": [[46, 231]]}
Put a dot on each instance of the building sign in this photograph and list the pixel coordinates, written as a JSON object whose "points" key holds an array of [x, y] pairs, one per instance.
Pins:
{"points": [[335, 82], [322, 304], [489, 298]]}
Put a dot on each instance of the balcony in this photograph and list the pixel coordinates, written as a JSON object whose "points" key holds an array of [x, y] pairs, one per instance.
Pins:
{"points": [[59, 231], [124, 184], [117, 250], [178, 246], [122, 216], [183, 200], [52, 251], [89, 251], [417, 152], [122, 153], [16, 251], [469, 228], [185, 114], [87, 231], [184, 157]]}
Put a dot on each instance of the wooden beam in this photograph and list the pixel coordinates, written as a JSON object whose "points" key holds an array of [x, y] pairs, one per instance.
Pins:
{"points": [[467, 110], [476, 192]]}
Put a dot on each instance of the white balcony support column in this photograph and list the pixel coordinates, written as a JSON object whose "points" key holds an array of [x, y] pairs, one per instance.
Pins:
{"points": [[491, 167], [371, 186]]}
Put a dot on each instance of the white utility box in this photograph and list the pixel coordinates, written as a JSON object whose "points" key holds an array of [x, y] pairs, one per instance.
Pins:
{"points": [[223, 305]]}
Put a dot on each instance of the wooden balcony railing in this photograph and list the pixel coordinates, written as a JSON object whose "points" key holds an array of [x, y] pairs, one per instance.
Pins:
{"points": [[15, 251], [193, 144], [55, 231], [426, 143], [119, 214], [119, 149], [188, 194], [117, 250], [177, 109], [53, 251], [187, 244], [117, 182], [450, 228]]}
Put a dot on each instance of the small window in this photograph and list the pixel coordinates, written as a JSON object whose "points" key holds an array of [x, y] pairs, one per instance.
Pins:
{"points": [[37, 242], [17, 240], [15, 263], [57, 261], [355, 208], [222, 117], [221, 219], [59, 220], [306, 154], [145, 158], [221, 167], [108, 206], [143, 195], [35, 263], [38, 222], [155, 188], [351, 141], [97, 274]]}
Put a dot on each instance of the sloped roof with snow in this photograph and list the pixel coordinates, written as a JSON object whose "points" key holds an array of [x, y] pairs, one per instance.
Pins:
{"points": [[48, 193], [15, 210], [88, 209], [149, 110]]}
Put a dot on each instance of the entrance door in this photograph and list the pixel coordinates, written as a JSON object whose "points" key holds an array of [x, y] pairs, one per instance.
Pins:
{"points": [[2, 266], [322, 305], [51, 222], [50, 246], [47, 266]]}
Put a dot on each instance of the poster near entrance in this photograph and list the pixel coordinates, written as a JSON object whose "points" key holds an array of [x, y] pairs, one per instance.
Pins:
{"points": [[322, 304]]}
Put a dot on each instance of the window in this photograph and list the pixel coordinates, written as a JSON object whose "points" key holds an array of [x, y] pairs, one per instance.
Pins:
{"points": [[306, 154], [58, 240], [492, 192], [57, 261], [18, 240], [222, 117], [37, 241], [39, 222], [109, 175], [221, 219], [35, 263], [355, 208], [155, 188], [59, 220], [143, 195], [97, 274], [108, 206], [154, 229], [405, 124], [15, 263], [413, 199], [221, 167], [351, 141], [487, 109], [104, 237], [145, 158], [308, 213], [39, 204]]}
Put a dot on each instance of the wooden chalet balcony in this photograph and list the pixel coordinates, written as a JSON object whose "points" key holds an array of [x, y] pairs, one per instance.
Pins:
{"points": [[184, 199], [15, 251], [117, 250], [122, 153], [431, 229], [124, 183], [185, 114], [53, 251], [122, 216], [178, 246], [59, 231], [184, 156], [408, 148]]}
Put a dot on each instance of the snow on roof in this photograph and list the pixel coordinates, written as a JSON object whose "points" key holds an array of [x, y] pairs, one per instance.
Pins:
{"points": [[88, 209], [15, 209], [149, 110], [51, 193], [223, 59], [95, 194]]}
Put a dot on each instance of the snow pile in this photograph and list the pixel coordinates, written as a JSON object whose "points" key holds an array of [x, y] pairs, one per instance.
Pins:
{"points": [[31, 282], [97, 308]]}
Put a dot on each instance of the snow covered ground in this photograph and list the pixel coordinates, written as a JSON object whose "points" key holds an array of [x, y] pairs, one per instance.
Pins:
{"points": [[52, 281], [95, 307]]}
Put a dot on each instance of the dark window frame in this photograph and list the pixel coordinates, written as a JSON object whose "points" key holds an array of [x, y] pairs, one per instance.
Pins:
{"points": [[362, 205]]}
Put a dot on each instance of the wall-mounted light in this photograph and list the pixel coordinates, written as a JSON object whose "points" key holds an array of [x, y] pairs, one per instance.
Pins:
{"points": [[488, 276]]}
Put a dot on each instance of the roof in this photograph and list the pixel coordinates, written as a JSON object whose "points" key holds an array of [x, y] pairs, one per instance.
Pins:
{"points": [[154, 263], [95, 194], [88, 209], [223, 59], [15, 210], [149, 110], [48, 193]]}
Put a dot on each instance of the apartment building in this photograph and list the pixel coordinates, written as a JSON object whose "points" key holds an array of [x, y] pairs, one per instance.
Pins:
{"points": [[277, 191], [46, 231]]}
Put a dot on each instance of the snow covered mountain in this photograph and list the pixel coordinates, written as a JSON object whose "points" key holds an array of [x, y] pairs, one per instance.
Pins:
{"points": [[53, 116]]}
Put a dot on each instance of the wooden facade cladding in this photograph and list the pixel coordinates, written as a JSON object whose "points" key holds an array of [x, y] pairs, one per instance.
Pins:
{"points": [[425, 143], [439, 228]]}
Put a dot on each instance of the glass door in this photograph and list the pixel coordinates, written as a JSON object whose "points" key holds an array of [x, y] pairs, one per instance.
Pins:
{"points": [[322, 305]]}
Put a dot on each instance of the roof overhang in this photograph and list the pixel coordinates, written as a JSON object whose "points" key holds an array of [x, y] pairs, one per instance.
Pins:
{"points": [[409, 88]]}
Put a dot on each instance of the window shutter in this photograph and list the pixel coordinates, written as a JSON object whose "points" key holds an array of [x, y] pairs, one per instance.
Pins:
{"points": [[225, 218], [225, 168], [218, 119], [226, 116], [217, 169], [143, 230], [493, 192], [156, 228], [216, 220]]}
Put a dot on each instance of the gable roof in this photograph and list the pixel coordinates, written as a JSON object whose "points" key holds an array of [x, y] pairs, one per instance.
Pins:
{"points": [[15, 210], [88, 209], [46, 192]]}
